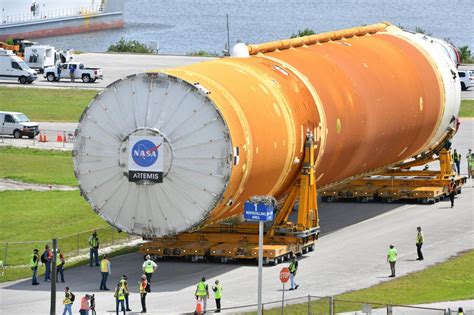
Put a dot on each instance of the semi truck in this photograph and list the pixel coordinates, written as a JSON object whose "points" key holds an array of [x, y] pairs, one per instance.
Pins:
{"points": [[173, 155]]}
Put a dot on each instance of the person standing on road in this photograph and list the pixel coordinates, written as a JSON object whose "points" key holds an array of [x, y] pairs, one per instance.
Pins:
{"points": [[293, 268], [68, 299], [46, 258], [124, 283], [94, 249], [420, 238], [470, 160], [452, 191], [72, 70], [202, 293], [34, 266], [143, 289], [105, 272], [59, 71], [149, 266], [60, 261], [119, 298], [392, 259], [217, 295], [457, 161], [84, 310]]}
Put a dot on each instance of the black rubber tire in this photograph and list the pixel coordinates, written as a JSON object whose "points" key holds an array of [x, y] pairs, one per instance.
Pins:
{"points": [[17, 134], [86, 78], [22, 80], [50, 77]]}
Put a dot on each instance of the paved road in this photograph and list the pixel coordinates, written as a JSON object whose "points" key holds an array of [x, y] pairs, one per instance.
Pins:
{"points": [[350, 255], [116, 66], [8, 184]]}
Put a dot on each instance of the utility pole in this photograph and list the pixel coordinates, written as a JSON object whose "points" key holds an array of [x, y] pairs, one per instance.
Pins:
{"points": [[53, 278], [228, 35]]}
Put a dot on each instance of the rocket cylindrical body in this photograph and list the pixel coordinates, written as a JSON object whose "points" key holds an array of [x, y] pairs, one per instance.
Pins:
{"points": [[233, 128]]}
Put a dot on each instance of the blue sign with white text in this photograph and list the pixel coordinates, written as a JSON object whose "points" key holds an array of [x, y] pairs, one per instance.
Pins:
{"points": [[258, 211]]}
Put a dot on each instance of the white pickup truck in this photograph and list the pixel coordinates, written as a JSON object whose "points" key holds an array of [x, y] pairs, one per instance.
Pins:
{"points": [[63, 71]]}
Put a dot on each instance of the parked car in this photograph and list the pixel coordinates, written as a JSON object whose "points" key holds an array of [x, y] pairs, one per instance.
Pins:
{"points": [[14, 68], [467, 79], [17, 125], [87, 75]]}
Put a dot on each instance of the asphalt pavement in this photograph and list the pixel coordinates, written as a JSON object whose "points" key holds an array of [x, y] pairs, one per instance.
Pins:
{"points": [[350, 255], [115, 66]]}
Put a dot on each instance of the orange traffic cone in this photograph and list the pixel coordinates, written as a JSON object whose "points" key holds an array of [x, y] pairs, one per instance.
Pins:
{"points": [[40, 138], [199, 309], [59, 138], [45, 138]]}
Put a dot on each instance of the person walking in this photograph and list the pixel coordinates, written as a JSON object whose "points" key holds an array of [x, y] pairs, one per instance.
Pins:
{"points": [[119, 298], [94, 249], [217, 295], [202, 293], [420, 238], [392, 259], [60, 261], [470, 162], [46, 258], [293, 267], [85, 307], [34, 266], [124, 283], [68, 300], [460, 311], [452, 191], [148, 267], [105, 272], [143, 289], [457, 161]]}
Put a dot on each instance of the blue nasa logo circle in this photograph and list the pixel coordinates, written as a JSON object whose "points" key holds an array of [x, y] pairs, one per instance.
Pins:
{"points": [[145, 153]]}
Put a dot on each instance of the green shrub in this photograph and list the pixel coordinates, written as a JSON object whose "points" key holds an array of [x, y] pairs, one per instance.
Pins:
{"points": [[305, 32], [202, 53], [131, 46], [465, 53]]}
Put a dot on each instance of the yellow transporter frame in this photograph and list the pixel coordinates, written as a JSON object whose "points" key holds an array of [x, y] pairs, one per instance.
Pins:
{"points": [[400, 182], [225, 241]]}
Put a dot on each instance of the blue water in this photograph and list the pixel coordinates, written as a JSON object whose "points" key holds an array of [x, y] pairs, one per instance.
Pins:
{"points": [[182, 26]]}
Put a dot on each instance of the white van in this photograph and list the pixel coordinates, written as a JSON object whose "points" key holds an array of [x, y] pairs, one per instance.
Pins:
{"points": [[39, 57], [14, 68], [17, 125]]}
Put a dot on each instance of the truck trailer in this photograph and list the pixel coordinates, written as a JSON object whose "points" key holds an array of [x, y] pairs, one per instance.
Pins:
{"points": [[172, 155]]}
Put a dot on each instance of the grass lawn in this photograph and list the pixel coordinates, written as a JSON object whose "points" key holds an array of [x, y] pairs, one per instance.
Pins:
{"points": [[40, 216], [449, 281], [64, 105], [37, 166], [467, 108]]}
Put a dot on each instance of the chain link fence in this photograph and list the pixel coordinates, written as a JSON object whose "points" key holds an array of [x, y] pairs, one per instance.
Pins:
{"points": [[18, 254], [316, 305]]}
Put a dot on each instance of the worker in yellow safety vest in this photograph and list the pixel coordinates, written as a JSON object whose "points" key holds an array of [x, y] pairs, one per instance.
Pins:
{"points": [[105, 271], [470, 163], [460, 311], [392, 259], [217, 295], [124, 283], [420, 238], [94, 249], [148, 267], [202, 293], [293, 267], [119, 298], [34, 266]]}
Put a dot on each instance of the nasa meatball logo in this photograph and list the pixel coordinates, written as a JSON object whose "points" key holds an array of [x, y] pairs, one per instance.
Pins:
{"points": [[145, 164], [145, 153]]}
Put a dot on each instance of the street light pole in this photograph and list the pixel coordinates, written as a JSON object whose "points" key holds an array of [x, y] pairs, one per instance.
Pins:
{"points": [[260, 266]]}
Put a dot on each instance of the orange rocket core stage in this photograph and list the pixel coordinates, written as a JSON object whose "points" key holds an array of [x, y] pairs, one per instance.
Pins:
{"points": [[370, 97]]}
